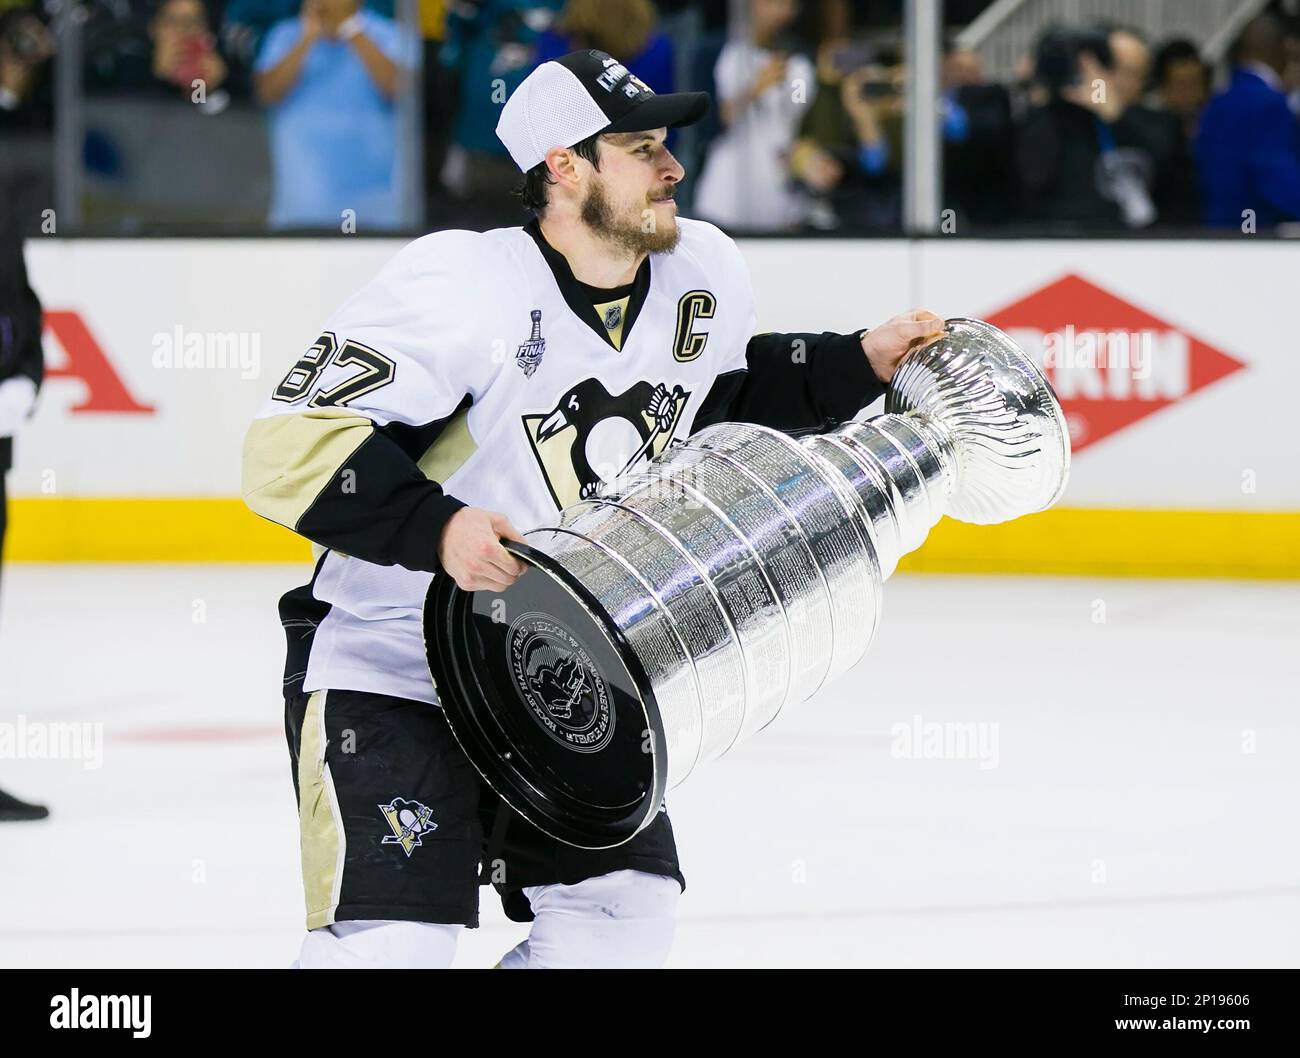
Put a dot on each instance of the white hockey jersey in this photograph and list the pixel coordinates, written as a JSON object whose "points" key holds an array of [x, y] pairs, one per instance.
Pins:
{"points": [[479, 359]]}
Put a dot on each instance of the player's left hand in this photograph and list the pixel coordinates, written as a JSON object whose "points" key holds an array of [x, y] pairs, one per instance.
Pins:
{"points": [[887, 344]]}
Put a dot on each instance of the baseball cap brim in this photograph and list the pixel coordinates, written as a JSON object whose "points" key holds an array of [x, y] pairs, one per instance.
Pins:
{"points": [[671, 110], [585, 93]]}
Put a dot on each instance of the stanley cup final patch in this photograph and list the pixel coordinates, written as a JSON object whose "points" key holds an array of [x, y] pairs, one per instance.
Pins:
{"points": [[409, 820], [529, 353]]}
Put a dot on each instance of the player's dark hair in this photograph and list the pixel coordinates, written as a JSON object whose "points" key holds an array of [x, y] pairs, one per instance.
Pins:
{"points": [[532, 192]]}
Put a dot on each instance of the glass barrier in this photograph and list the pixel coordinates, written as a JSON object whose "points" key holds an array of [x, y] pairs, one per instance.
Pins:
{"points": [[1047, 118], [242, 117], [245, 116]]}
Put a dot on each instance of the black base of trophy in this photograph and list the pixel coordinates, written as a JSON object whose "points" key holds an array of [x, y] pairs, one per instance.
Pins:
{"points": [[548, 701]]}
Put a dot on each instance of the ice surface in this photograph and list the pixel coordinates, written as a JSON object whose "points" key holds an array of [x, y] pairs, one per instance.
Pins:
{"points": [[1141, 808]]}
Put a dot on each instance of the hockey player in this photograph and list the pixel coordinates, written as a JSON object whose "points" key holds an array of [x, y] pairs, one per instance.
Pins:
{"points": [[22, 366], [479, 383]]}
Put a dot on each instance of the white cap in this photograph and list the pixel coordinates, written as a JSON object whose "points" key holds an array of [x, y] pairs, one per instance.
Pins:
{"points": [[564, 101]]}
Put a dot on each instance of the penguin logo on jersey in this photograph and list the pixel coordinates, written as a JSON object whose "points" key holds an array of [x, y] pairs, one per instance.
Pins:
{"points": [[409, 820], [529, 353], [592, 436]]}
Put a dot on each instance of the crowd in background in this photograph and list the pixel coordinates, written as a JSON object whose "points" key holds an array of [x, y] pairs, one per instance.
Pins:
{"points": [[320, 113]]}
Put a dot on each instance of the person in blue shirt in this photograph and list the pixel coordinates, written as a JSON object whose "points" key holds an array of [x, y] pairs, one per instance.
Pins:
{"points": [[1248, 145], [330, 79]]}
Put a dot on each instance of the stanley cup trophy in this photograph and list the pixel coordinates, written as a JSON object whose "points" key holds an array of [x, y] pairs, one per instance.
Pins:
{"points": [[677, 610]]}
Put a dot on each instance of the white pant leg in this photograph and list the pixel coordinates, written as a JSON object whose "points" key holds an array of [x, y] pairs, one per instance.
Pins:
{"points": [[379, 944], [622, 920]]}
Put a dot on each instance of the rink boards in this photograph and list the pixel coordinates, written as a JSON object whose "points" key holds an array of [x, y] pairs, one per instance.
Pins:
{"points": [[1176, 362]]}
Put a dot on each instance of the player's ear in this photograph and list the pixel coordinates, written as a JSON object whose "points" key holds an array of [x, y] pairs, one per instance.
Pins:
{"points": [[562, 163]]}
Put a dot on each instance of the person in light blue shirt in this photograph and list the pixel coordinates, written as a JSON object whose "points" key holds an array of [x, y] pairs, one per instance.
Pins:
{"points": [[330, 79]]}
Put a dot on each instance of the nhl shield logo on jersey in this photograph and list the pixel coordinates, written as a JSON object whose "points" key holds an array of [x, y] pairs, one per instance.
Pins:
{"points": [[410, 820], [591, 436], [529, 353]]}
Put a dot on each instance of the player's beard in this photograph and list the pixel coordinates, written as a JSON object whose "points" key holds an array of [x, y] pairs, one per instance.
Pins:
{"points": [[626, 228]]}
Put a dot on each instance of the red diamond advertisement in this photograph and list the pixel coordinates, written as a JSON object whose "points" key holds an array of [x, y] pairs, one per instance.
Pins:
{"points": [[1110, 362]]}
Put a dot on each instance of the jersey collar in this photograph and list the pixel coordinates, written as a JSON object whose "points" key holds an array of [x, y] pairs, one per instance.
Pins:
{"points": [[578, 295]]}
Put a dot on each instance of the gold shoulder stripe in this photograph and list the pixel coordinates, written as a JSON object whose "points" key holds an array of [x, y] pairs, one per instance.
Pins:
{"points": [[451, 450], [289, 459]]}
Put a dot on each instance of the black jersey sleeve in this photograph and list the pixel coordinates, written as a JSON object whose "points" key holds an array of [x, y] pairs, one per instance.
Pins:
{"points": [[795, 382]]}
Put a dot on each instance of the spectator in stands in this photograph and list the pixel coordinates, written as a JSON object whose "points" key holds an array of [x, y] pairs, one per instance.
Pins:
{"points": [[491, 46], [978, 142], [25, 48], [1182, 83], [246, 23], [1061, 139], [1291, 77], [1090, 157], [185, 52], [26, 119], [850, 140], [1152, 136], [176, 57], [439, 103], [1248, 146], [330, 78], [763, 88], [961, 68], [623, 28], [1130, 66]]}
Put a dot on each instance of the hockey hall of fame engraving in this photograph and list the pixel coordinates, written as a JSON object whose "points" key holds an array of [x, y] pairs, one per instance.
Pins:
{"points": [[559, 683]]}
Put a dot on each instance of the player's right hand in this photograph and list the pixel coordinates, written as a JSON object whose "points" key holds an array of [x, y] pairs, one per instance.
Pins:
{"points": [[471, 553]]}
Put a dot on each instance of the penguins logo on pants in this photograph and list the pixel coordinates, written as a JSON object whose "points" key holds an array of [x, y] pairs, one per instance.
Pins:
{"points": [[409, 821], [591, 436]]}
